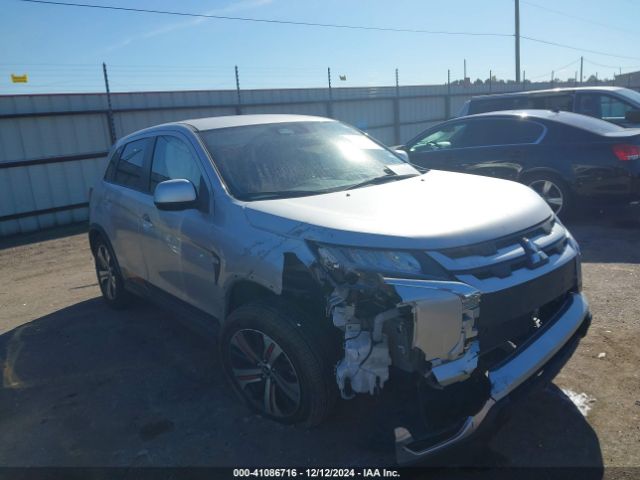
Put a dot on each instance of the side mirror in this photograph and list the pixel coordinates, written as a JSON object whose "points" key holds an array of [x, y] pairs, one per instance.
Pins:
{"points": [[402, 154], [632, 116], [177, 194]]}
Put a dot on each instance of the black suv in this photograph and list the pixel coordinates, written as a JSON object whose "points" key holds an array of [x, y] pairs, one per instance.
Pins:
{"points": [[613, 104]]}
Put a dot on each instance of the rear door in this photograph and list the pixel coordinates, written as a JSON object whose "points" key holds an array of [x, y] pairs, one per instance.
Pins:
{"points": [[500, 147], [123, 200]]}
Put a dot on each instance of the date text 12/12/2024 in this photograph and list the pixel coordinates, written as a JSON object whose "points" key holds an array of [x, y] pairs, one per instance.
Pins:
{"points": [[315, 473]]}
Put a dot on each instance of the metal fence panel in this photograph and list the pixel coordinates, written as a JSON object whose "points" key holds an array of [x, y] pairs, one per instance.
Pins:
{"points": [[132, 121], [365, 114], [53, 146], [38, 137], [421, 109]]}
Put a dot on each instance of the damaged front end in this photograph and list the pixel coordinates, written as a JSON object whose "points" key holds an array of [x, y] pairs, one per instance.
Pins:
{"points": [[403, 310], [417, 325]]}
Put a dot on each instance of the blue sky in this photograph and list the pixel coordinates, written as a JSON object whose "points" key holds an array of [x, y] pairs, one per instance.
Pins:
{"points": [[62, 48]]}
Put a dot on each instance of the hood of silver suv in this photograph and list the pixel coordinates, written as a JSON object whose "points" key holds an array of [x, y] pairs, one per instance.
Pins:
{"points": [[435, 210]]}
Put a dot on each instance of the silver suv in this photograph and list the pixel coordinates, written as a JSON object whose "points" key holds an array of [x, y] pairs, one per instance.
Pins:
{"points": [[334, 266]]}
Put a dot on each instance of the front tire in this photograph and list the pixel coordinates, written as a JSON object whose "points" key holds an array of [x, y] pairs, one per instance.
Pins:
{"points": [[275, 366]]}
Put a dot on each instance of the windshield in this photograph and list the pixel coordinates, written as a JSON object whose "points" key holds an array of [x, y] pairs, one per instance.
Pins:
{"points": [[631, 95], [278, 160]]}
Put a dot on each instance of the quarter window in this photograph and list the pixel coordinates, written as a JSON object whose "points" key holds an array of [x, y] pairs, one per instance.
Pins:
{"points": [[111, 168], [129, 169]]}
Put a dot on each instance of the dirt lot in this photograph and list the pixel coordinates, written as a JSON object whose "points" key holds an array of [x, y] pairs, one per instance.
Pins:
{"points": [[85, 386]]}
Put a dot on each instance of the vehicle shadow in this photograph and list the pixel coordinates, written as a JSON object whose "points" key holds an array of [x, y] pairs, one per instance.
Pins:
{"points": [[88, 386]]}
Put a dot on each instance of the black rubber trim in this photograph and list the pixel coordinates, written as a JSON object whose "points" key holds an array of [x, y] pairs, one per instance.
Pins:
{"points": [[33, 213], [52, 160]]}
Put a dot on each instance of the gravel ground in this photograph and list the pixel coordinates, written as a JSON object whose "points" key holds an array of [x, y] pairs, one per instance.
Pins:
{"points": [[86, 386]]}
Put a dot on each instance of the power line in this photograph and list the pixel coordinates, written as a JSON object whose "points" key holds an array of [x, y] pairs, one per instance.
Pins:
{"points": [[324, 25], [627, 67], [555, 70], [267, 20], [563, 45], [581, 19]]}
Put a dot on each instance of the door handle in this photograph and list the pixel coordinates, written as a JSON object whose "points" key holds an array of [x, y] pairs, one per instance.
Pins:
{"points": [[146, 222]]}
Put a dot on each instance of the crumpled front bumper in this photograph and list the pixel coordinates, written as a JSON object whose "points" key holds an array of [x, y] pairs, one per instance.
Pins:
{"points": [[543, 356]]}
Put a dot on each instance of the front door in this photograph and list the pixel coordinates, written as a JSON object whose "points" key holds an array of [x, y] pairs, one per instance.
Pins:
{"points": [[181, 259]]}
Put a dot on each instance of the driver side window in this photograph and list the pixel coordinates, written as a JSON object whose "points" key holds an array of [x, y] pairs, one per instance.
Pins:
{"points": [[450, 136], [173, 159]]}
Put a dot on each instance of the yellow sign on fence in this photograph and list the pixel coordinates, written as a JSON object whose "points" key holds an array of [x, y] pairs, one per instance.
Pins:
{"points": [[19, 78]]}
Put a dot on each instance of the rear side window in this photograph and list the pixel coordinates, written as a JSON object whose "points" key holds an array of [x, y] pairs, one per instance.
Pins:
{"points": [[501, 131], [554, 102], [496, 104], [129, 169], [562, 102]]}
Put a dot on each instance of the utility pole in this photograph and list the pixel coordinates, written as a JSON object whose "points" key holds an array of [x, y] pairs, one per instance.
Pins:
{"points": [[447, 103], [517, 41], [238, 107], [396, 111], [552, 76], [112, 127], [581, 69], [524, 79], [465, 70], [330, 102], [490, 81]]}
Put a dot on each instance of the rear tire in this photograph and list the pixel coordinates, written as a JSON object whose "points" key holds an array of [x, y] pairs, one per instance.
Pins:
{"points": [[275, 365], [110, 279], [554, 191]]}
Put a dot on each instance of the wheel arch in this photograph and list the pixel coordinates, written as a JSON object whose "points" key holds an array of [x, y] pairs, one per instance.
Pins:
{"points": [[298, 286], [96, 232], [532, 172], [568, 180]]}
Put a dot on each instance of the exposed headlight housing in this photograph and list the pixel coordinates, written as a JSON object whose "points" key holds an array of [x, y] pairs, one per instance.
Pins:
{"points": [[386, 262]]}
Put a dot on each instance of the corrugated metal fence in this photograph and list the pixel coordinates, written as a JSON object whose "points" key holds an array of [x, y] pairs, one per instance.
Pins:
{"points": [[53, 147]]}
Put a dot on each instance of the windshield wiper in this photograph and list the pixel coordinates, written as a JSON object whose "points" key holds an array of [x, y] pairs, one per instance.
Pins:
{"points": [[280, 194], [381, 179]]}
